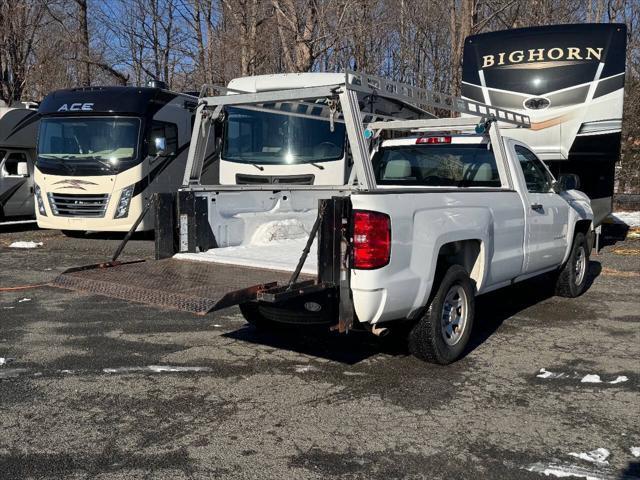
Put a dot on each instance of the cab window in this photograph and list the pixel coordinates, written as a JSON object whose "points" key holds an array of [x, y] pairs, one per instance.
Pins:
{"points": [[440, 165], [535, 173]]}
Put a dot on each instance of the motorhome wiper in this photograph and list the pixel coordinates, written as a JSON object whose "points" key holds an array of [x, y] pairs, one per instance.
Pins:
{"points": [[259, 167], [319, 167], [59, 161]]}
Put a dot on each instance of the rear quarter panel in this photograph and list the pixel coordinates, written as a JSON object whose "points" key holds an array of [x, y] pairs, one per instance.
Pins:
{"points": [[421, 223]]}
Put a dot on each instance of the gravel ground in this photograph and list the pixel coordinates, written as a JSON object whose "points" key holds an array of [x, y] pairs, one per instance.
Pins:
{"points": [[101, 388]]}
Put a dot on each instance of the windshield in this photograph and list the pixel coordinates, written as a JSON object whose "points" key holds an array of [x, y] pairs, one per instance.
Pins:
{"points": [[450, 165], [87, 146], [253, 136]]}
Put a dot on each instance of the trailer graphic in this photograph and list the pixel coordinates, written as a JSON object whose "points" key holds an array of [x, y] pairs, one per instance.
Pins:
{"points": [[570, 80], [434, 213]]}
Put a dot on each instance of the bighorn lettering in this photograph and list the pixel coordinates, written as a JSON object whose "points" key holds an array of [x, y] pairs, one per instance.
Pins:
{"points": [[542, 55]]}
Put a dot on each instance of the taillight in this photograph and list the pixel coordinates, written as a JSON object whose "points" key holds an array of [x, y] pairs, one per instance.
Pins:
{"points": [[371, 239], [432, 140]]}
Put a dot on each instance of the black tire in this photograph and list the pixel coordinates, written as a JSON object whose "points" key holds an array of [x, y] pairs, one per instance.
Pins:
{"points": [[427, 338], [74, 233], [571, 280]]}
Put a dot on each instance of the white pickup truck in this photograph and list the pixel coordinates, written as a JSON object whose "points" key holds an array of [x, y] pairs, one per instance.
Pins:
{"points": [[431, 220]]}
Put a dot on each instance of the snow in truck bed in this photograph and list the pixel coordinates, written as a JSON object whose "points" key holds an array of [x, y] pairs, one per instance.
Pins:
{"points": [[274, 245]]}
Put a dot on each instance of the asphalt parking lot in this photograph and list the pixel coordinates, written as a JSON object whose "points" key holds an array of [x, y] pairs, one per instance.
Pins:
{"points": [[102, 388]]}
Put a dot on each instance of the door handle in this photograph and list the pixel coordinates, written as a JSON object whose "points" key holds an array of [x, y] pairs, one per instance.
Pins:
{"points": [[537, 207]]}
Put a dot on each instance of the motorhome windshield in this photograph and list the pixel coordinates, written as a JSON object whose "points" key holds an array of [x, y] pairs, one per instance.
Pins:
{"points": [[253, 136], [88, 145]]}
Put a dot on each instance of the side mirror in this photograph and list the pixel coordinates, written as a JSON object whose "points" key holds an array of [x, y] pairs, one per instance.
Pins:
{"points": [[568, 181], [22, 169], [160, 144]]}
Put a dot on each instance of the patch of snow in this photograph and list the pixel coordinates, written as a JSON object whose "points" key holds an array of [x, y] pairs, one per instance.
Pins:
{"points": [[156, 369], [564, 471], [305, 368], [5, 360], [11, 372], [26, 244], [619, 379], [8, 308], [282, 255], [22, 300], [545, 374], [279, 230], [215, 325], [632, 219], [635, 451], [591, 379], [599, 455]]}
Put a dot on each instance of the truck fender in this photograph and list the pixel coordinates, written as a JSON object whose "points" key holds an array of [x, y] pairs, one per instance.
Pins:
{"points": [[433, 230], [580, 217]]}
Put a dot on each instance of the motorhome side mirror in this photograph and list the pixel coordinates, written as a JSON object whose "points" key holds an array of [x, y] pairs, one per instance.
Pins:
{"points": [[160, 144], [568, 181], [22, 169]]}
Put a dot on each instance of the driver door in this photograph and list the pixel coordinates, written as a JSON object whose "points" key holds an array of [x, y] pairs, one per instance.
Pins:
{"points": [[546, 214], [16, 192]]}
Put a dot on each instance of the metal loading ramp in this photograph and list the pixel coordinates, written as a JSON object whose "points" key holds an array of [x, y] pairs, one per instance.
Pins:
{"points": [[197, 287]]}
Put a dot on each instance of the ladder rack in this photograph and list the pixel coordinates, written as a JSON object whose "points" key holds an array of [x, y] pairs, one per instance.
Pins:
{"points": [[422, 97]]}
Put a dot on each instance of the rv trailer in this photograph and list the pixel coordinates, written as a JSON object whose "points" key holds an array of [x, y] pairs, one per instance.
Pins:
{"points": [[569, 79], [104, 151], [18, 134]]}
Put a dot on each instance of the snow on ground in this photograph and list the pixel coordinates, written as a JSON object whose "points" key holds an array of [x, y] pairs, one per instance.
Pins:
{"points": [[635, 451], [564, 471], [25, 244], [588, 378], [5, 360], [632, 219], [599, 455], [155, 369]]}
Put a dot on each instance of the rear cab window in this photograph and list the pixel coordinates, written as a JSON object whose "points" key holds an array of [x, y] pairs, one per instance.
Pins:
{"points": [[437, 165]]}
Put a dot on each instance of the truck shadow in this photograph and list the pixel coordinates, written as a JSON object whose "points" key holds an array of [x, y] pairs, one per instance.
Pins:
{"points": [[492, 310], [11, 227]]}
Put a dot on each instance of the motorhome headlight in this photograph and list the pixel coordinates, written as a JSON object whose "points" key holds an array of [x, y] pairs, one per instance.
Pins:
{"points": [[39, 201], [122, 209]]}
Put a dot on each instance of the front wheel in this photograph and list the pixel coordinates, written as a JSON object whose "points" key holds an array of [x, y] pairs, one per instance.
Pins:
{"points": [[442, 333], [572, 279]]}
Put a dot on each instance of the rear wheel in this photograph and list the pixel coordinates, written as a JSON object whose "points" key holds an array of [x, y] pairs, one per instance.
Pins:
{"points": [[572, 279], [442, 333], [74, 233]]}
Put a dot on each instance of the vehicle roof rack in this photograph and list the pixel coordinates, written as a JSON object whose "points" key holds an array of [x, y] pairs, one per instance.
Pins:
{"points": [[422, 97]]}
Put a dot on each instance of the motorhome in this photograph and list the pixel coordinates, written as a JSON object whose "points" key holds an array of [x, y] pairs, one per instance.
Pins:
{"points": [[569, 79], [286, 141], [18, 133], [103, 151]]}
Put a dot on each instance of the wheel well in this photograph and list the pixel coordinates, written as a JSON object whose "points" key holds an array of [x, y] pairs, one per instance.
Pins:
{"points": [[583, 226], [465, 253]]}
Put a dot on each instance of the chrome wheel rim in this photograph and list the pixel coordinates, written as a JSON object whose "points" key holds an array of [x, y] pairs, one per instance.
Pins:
{"points": [[454, 315], [581, 265]]}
